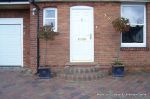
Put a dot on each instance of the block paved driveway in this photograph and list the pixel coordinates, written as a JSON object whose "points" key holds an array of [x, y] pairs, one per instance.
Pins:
{"points": [[17, 85]]}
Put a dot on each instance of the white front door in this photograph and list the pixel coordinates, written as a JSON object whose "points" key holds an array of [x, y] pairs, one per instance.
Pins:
{"points": [[81, 34], [11, 53]]}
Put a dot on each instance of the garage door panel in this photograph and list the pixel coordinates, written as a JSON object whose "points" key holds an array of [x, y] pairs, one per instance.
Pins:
{"points": [[12, 61], [10, 45], [10, 51]]}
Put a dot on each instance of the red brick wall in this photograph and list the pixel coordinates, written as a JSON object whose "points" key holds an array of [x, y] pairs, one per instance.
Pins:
{"points": [[26, 19], [58, 50], [33, 40], [106, 39]]}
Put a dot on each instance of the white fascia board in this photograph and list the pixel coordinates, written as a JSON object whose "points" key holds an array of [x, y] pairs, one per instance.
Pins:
{"points": [[92, 0]]}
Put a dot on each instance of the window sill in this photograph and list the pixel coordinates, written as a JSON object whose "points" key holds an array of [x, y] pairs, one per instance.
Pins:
{"points": [[134, 49]]}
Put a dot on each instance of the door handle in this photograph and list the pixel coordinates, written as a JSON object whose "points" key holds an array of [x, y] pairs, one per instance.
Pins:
{"points": [[90, 36]]}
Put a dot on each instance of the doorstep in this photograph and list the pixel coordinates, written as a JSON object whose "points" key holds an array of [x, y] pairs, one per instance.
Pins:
{"points": [[81, 64]]}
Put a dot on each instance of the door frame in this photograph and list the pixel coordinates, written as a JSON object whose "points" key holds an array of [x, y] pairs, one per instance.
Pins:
{"points": [[15, 21], [82, 8]]}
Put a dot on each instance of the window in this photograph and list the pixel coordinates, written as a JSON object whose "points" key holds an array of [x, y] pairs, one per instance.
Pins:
{"points": [[136, 37], [50, 17]]}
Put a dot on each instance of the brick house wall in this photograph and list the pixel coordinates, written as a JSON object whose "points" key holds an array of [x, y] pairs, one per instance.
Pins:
{"points": [[106, 40], [22, 13]]}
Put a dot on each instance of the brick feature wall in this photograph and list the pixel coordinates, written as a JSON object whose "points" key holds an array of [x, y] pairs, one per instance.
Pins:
{"points": [[139, 57], [33, 40], [58, 50], [23, 13], [106, 40]]}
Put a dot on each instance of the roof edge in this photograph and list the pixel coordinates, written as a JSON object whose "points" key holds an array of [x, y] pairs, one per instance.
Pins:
{"points": [[140, 1]]}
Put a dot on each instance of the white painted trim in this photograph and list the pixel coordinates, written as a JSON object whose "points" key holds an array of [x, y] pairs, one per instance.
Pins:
{"points": [[92, 22], [15, 21], [81, 7], [1, 3], [144, 29], [56, 18]]}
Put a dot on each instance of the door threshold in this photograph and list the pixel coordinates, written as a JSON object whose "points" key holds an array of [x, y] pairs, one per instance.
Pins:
{"points": [[81, 63]]}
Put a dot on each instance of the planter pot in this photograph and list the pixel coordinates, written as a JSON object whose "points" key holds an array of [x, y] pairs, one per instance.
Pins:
{"points": [[44, 73], [118, 70]]}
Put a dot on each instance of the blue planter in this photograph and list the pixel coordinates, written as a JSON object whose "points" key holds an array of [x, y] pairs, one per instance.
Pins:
{"points": [[118, 70], [44, 73]]}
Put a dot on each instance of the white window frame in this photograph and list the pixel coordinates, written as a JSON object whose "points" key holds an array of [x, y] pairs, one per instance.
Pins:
{"points": [[44, 18], [144, 28]]}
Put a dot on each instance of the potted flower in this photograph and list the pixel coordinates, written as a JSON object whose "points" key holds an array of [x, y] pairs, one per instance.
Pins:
{"points": [[46, 33], [117, 68], [121, 25]]}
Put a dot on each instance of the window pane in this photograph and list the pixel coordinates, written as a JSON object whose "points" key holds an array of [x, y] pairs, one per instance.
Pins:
{"points": [[50, 22], [135, 14], [50, 14], [135, 35]]}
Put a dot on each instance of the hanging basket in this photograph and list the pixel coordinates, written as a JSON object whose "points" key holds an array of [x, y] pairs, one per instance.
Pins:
{"points": [[121, 24]]}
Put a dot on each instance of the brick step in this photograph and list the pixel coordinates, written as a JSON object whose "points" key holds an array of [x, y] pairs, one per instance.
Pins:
{"points": [[83, 72], [83, 77], [80, 70]]}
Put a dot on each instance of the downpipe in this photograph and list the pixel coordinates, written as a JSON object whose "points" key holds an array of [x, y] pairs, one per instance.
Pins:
{"points": [[38, 27]]}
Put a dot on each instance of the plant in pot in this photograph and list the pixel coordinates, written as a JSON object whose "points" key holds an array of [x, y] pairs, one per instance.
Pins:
{"points": [[46, 33], [121, 25]]}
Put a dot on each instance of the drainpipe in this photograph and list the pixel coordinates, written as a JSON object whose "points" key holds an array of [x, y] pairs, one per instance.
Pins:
{"points": [[38, 27]]}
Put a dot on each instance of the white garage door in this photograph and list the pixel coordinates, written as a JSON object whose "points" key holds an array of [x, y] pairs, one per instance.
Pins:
{"points": [[11, 53]]}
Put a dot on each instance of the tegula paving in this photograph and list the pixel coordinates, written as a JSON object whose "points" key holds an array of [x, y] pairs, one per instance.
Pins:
{"points": [[18, 85]]}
